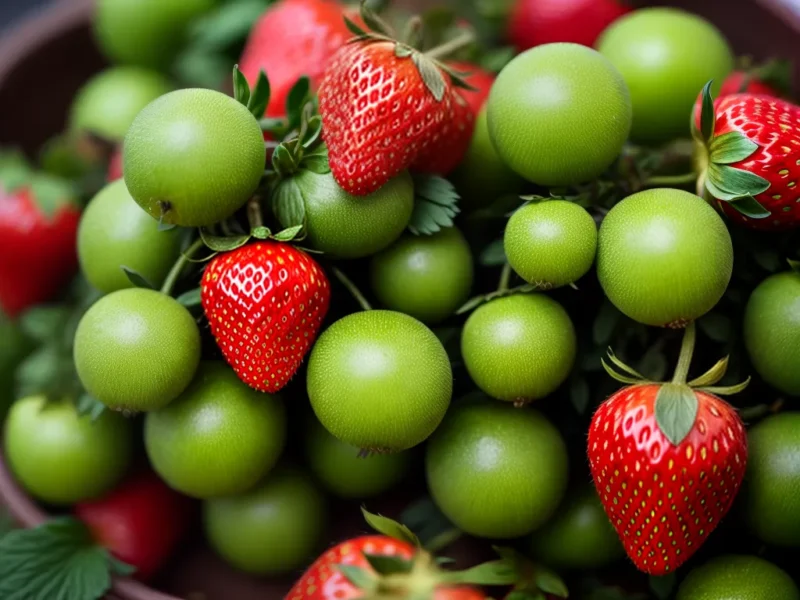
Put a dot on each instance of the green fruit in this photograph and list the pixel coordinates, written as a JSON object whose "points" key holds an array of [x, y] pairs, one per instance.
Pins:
{"points": [[425, 276], [145, 32], [274, 528], [559, 114], [107, 105], [219, 437], [772, 331], [496, 471], [136, 350], [60, 457], [579, 536], [193, 157], [379, 380], [115, 232], [348, 226], [664, 257], [738, 578], [773, 480], [519, 348], [345, 473], [483, 177], [666, 56], [551, 244]]}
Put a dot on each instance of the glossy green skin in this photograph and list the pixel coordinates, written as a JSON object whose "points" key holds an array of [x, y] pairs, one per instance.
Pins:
{"points": [[109, 102], [426, 276], [482, 176], [496, 471], [772, 331], [559, 114], [551, 244], [60, 457], [379, 380], [519, 348], [14, 348], [274, 528], [219, 437], [195, 156], [666, 56], [116, 232], [343, 473], [136, 350], [579, 536], [145, 32], [348, 226], [664, 257], [773, 479], [735, 577]]}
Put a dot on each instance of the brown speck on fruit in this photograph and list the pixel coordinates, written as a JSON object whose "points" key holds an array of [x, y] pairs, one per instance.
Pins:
{"points": [[678, 324], [521, 402]]}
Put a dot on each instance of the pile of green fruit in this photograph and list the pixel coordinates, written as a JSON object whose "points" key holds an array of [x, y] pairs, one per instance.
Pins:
{"points": [[450, 267]]}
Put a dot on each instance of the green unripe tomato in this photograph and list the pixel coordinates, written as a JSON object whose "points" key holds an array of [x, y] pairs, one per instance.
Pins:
{"points": [[738, 578], [342, 470], [666, 56], [519, 348], [551, 244], [145, 32], [773, 480], [348, 226], [425, 276], [496, 471], [274, 528], [60, 457], [772, 331], [115, 232], [109, 102], [482, 176], [664, 257], [219, 437], [579, 535], [379, 380], [559, 114], [193, 157], [136, 350]]}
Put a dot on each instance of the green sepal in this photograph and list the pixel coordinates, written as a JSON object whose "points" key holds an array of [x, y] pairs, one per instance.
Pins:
{"points": [[712, 376], [403, 51], [312, 133], [736, 182], [261, 233], [390, 528], [356, 30], [731, 147], [794, 265], [51, 193], [431, 75], [388, 565], [223, 243], [296, 100], [676, 410], [259, 98], [623, 367], [317, 162], [360, 578], [778, 73], [495, 572], [88, 405], [374, 22], [190, 299], [284, 161], [532, 578], [288, 205], [707, 116], [241, 89], [436, 204], [619, 376], [137, 279], [288, 234], [726, 390], [749, 207]]}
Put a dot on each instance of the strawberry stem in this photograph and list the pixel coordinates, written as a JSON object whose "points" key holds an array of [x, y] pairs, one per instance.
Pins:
{"points": [[685, 359], [351, 287], [454, 45], [505, 276], [177, 268], [254, 216], [670, 180]]}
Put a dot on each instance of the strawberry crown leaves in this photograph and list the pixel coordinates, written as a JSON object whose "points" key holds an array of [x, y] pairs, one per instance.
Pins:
{"points": [[435, 206], [255, 99], [390, 528]]}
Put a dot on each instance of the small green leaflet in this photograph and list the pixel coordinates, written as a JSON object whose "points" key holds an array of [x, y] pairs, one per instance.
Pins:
{"points": [[736, 181], [190, 299], [749, 207], [676, 410], [220, 243], [391, 528], [90, 406], [436, 204], [55, 561], [295, 100], [42, 323], [137, 279], [707, 115], [288, 234], [431, 75], [731, 147], [241, 89], [259, 98], [388, 565]]}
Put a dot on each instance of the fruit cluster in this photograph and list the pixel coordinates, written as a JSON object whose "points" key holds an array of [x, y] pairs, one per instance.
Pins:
{"points": [[520, 219]]}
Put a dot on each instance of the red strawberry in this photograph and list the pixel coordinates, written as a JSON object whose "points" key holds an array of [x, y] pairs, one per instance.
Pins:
{"points": [[535, 22], [741, 82], [772, 78], [140, 522], [750, 158], [38, 231], [265, 303], [293, 38], [115, 165]]}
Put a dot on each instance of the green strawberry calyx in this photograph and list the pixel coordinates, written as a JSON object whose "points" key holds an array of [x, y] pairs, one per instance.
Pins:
{"points": [[718, 178], [676, 404]]}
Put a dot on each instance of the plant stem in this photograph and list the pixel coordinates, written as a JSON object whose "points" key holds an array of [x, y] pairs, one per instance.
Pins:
{"points": [[351, 287], [685, 359], [454, 45], [254, 216], [684, 179], [177, 268], [505, 277]]}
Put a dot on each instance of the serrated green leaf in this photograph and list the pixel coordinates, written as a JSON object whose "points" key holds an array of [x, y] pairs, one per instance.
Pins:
{"points": [[431, 75], [288, 234], [259, 99], [579, 394], [288, 205], [220, 243], [494, 255], [605, 323], [190, 299], [43, 323], [707, 116], [241, 89], [731, 147], [388, 565], [391, 528], [90, 406], [137, 279], [663, 586], [676, 410], [436, 204], [749, 207], [736, 181]]}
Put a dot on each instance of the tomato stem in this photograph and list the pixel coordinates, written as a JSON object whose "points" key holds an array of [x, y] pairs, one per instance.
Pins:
{"points": [[177, 268], [685, 359], [351, 287], [254, 215], [671, 180], [505, 276], [454, 45]]}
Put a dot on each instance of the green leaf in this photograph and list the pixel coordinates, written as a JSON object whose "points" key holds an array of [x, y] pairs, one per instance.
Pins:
{"points": [[579, 394], [403, 51], [283, 161], [726, 390], [90, 406], [355, 29], [288, 234], [190, 299], [676, 410], [261, 233], [44, 323], [436, 204], [259, 99], [495, 572], [716, 326], [605, 323], [313, 132], [494, 255], [731, 147], [389, 527], [227, 25], [220, 243], [794, 265], [374, 22], [40, 370], [622, 366], [137, 279], [549, 582], [712, 376], [495, 59], [361, 578], [288, 205], [749, 207], [51, 193], [241, 89], [778, 73], [716, 192], [388, 565], [295, 101], [431, 75], [662, 587], [707, 116], [621, 377], [737, 181], [317, 163]]}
